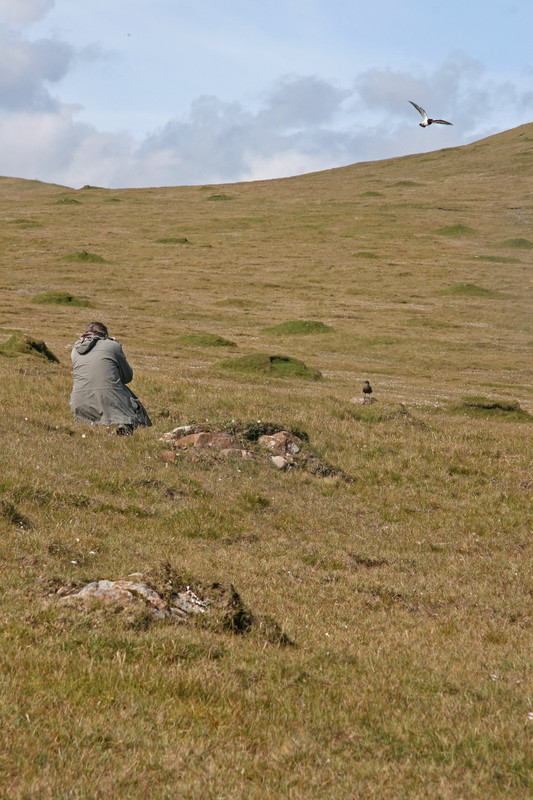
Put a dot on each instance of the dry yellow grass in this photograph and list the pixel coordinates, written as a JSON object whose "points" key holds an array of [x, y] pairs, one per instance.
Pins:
{"points": [[407, 592]]}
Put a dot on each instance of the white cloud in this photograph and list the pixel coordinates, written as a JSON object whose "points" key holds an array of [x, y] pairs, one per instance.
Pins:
{"points": [[24, 12], [27, 68]]}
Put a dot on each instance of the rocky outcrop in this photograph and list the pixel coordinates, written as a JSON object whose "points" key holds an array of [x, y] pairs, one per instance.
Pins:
{"points": [[257, 440], [199, 437], [217, 606], [135, 592]]}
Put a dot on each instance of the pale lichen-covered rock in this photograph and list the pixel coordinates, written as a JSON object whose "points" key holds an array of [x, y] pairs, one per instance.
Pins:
{"points": [[124, 593], [282, 462], [281, 443]]}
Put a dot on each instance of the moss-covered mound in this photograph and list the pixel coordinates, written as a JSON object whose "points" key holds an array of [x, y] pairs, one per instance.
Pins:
{"points": [[469, 290], [455, 230], [206, 340], [61, 299], [21, 344], [485, 406], [83, 256], [519, 244], [275, 366], [300, 326]]}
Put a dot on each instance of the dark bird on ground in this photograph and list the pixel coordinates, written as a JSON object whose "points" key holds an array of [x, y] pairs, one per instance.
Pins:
{"points": [[367, 389], [427, 120]]}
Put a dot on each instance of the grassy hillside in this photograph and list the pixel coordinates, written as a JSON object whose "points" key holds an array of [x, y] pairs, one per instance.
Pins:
{"points": [[403, 582]]}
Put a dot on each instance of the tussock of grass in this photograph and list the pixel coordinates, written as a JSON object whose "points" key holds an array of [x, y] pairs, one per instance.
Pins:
{"points": [[206, 340], [519, 244], [173, 240], [469, 290], [219, 197], [297, 327], [276, 366], [371, 194], [83, 257], [61, 299], [69, 201], [365, 254], [486, 406], [10, 513], [498, 259], [427, 322], [26, 223], [21, 344], [455, 230]]}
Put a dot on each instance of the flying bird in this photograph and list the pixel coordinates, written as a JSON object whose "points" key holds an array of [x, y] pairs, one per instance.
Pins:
{"points": [[427, 120]]}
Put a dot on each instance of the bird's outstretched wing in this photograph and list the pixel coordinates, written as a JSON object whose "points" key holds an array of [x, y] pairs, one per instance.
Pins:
{"points": [[442, 122], [420, 110]]}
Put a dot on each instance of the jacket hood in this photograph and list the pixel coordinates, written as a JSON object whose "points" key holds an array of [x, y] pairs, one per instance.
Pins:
{"points": [[86, 343]]}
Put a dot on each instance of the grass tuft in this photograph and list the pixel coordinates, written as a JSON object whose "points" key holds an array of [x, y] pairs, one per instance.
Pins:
{"points": [[21, 344], [206, 340], [61, 299], [298, 327], [12, 515], [482, 405], [276, 366], [83, 257], [455, 230], [469, 290], [173, 240], [518, 244]]}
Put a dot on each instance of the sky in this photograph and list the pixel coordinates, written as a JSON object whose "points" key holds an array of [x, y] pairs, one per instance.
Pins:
{"points": [[136, 93]]}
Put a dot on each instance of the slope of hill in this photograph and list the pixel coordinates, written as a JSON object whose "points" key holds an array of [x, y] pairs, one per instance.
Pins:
{"points": [[406, 589]]}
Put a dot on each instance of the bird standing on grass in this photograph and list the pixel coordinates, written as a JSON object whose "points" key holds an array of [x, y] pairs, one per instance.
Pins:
{"points": [[367, 389], [427, 120]]}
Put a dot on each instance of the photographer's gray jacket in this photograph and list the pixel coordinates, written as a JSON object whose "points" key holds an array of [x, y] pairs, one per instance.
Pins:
{"points": [[100, 394]]}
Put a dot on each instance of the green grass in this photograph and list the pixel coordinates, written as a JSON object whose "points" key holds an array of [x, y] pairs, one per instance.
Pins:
{"points": [[458, 229], [173, 240], [469, 290], [298, 327], [61, 299], [206, 340], [20, 344], [519, 243], [498, 259], [276, 366], [83, 256], [397, 555]]}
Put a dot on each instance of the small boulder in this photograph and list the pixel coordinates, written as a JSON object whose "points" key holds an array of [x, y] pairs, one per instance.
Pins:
{"points": [[282, 462], [281, 443]]}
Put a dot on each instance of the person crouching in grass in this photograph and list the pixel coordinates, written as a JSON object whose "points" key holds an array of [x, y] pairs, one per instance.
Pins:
{"points": [[99, 394]]}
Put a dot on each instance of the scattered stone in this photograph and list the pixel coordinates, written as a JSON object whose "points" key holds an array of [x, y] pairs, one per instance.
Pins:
{"points": [[282, 462], [364, 401], [234, 452], [200, 437], [287, 450]]}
